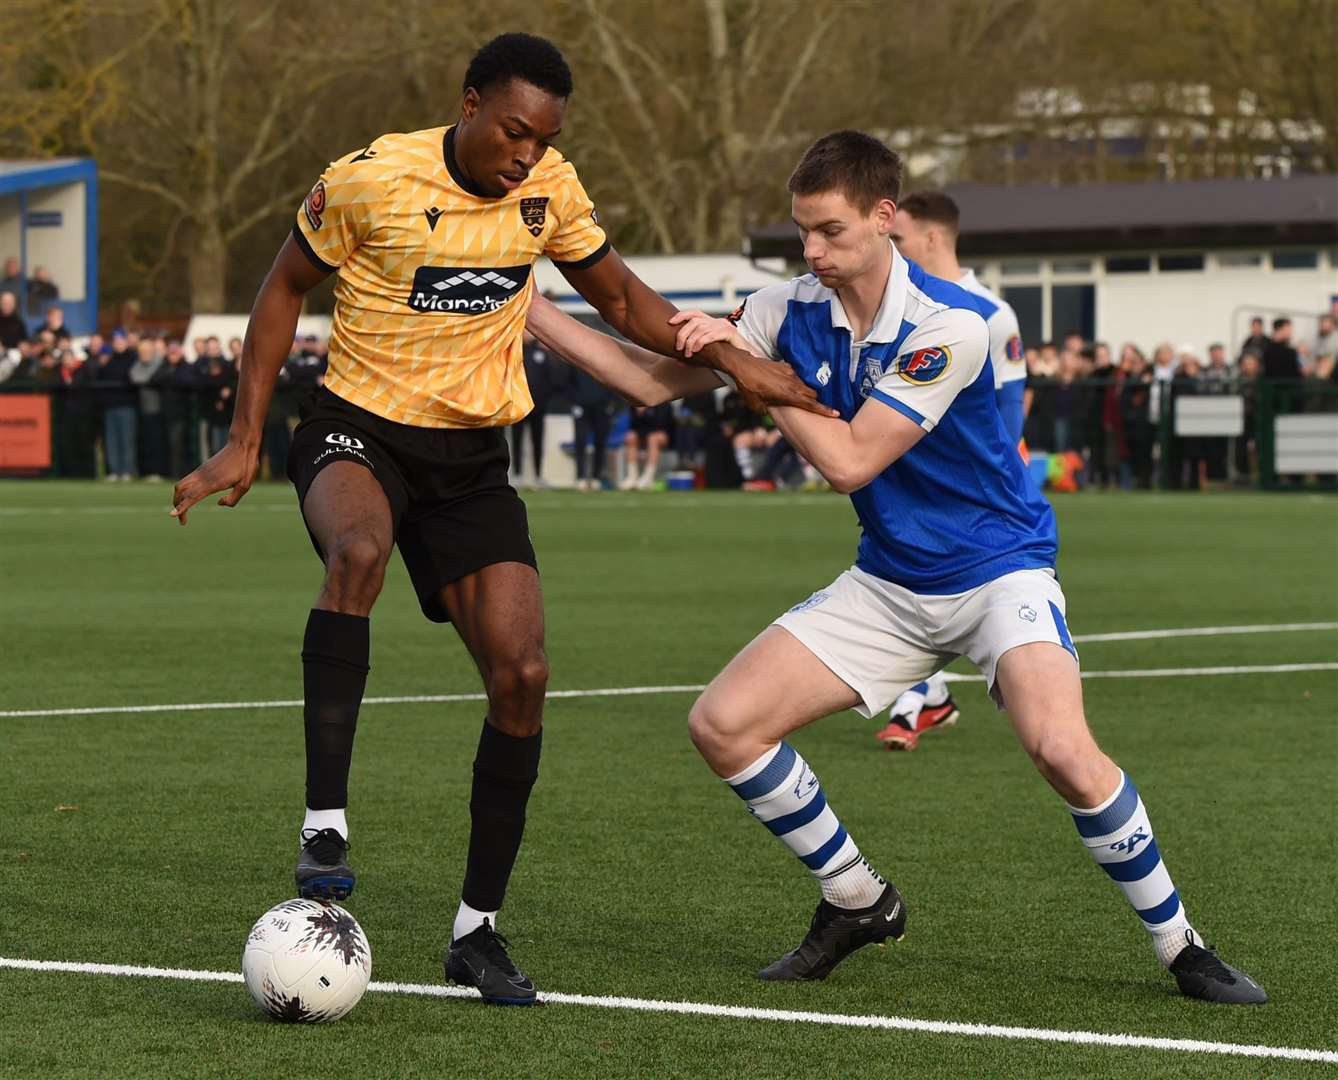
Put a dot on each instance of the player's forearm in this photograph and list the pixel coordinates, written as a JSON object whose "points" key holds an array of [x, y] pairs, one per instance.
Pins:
{"points": [[269, 340], [827, 444], [641, 376]]}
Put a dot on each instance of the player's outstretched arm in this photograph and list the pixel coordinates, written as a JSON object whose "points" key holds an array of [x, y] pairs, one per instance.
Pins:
{"points": [[637, 312], [269, 339], [640, 376]]}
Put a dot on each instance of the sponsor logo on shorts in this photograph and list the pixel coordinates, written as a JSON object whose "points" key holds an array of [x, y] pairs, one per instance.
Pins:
{"points": [[1026, 613], [824, 373], [466, 290], [812, 602], [344, 450], [925, 365], [339, 439]]}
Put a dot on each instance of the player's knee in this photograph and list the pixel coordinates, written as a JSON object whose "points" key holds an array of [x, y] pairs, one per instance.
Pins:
{"points": [[355, 566], [1071, 763], [518, 682], [709, 725]]}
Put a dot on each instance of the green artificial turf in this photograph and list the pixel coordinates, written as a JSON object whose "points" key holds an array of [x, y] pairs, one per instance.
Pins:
{"points": [[157, 838]]}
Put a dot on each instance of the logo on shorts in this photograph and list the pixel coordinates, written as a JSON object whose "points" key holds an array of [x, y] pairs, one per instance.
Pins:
{"points": [[1027, 613], [344, 440], [824, 375], [474, 290], [812, 602], [925, 365]]}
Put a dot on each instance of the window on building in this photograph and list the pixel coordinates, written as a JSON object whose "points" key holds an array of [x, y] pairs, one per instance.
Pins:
{"points": [[1073, 307], [1026, 301], [1173, 263], [1020, 268], [1071, 266], [1295, 260], [1128, 264], [1239, 260]]}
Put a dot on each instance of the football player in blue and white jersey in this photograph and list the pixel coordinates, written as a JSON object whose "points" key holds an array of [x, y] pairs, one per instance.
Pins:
{"points": [[957, 558], [925, 231]]}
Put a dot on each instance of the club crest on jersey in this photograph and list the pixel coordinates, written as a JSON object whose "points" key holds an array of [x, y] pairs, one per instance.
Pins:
{"points": [[1013, 350], [925, 365], [468, 290], [314, 205], [532, 214], [873, 375]]}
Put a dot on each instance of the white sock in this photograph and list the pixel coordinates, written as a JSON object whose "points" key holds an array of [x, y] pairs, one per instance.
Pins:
{"points": [[467, 920], [911, 701], [744, 457], [324, 819], [937, 693], [783, 793], [1118, 835]]}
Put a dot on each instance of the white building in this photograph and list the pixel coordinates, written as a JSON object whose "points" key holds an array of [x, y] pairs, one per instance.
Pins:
{"points": [[1180, 262]]}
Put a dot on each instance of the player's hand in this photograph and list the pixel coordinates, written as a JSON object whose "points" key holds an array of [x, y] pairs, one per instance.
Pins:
{"points": [[232, 467], [764, 383], [697, 329]]}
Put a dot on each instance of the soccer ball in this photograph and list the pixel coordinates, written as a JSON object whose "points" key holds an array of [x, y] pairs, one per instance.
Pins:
{"points": [[306, 962]]}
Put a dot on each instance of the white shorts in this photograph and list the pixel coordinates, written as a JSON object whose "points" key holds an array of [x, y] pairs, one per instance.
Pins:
{"points": [[880, 639]]}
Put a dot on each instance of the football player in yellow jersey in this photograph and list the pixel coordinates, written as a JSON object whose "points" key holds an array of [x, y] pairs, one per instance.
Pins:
{"points": [[432, 236]]}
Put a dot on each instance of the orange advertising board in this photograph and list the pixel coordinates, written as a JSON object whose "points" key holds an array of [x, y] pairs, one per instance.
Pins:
{"points": [[25, 432]]}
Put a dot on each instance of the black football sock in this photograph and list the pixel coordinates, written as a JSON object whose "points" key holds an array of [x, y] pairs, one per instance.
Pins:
{"points": [[335, 651], [505, 769]]}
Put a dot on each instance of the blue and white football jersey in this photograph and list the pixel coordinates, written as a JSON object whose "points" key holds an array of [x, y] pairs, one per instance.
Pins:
{"points": [[1010, 369], [959, 508]]}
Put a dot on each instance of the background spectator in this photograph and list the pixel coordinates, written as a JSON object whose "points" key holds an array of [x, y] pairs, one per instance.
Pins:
{"points": [[54, 320], [545, 378], [42, 291], [650, 431], [1256, 342], [592, 405], [218, 383], [13, 331], [153, 458], [118, 399], [76, 416], [175, 379], [13, 281], [1326, 339]]}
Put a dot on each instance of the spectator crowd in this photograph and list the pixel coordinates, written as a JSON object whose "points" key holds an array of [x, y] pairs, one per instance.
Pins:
{"points": [[155, 409], [1116, 413]]}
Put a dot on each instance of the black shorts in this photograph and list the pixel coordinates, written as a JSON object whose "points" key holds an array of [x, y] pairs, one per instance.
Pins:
{"points": [[452, 510]]}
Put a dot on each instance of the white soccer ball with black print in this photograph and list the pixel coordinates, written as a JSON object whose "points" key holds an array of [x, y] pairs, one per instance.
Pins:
{"points": [[306, 962]]}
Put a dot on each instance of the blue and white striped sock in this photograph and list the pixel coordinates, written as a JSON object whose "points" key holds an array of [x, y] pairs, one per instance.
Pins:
{"points": [[783, 793], [1119, 837]]}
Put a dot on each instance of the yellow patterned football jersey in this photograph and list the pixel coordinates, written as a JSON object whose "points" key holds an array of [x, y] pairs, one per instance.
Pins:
{"points": [[434, 281]]}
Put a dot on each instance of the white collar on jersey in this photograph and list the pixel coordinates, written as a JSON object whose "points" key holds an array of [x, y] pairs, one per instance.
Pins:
{"points": [[887, 323]]}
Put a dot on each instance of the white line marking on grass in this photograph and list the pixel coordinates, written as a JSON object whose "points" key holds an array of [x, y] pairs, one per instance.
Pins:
{"points": [[742, 1012], [1206, 631], [621, 691]]}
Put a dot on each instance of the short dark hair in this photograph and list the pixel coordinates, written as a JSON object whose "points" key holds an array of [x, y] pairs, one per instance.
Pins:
{"points": [[536, 60], [857, 165], [1280, 322], [935, 206]]}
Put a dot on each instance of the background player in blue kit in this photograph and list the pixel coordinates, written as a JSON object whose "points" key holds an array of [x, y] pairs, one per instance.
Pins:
{"points": [[957, 558], [925, 231]]}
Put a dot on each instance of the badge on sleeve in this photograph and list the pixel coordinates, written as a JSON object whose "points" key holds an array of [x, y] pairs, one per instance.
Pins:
{"points": [[925, 365], [314, 206], [1013, 350]]}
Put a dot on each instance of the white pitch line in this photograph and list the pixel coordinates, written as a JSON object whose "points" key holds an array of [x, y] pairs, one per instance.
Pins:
{"points": [[743, 1012], [1206, 631], [619, 691]]}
